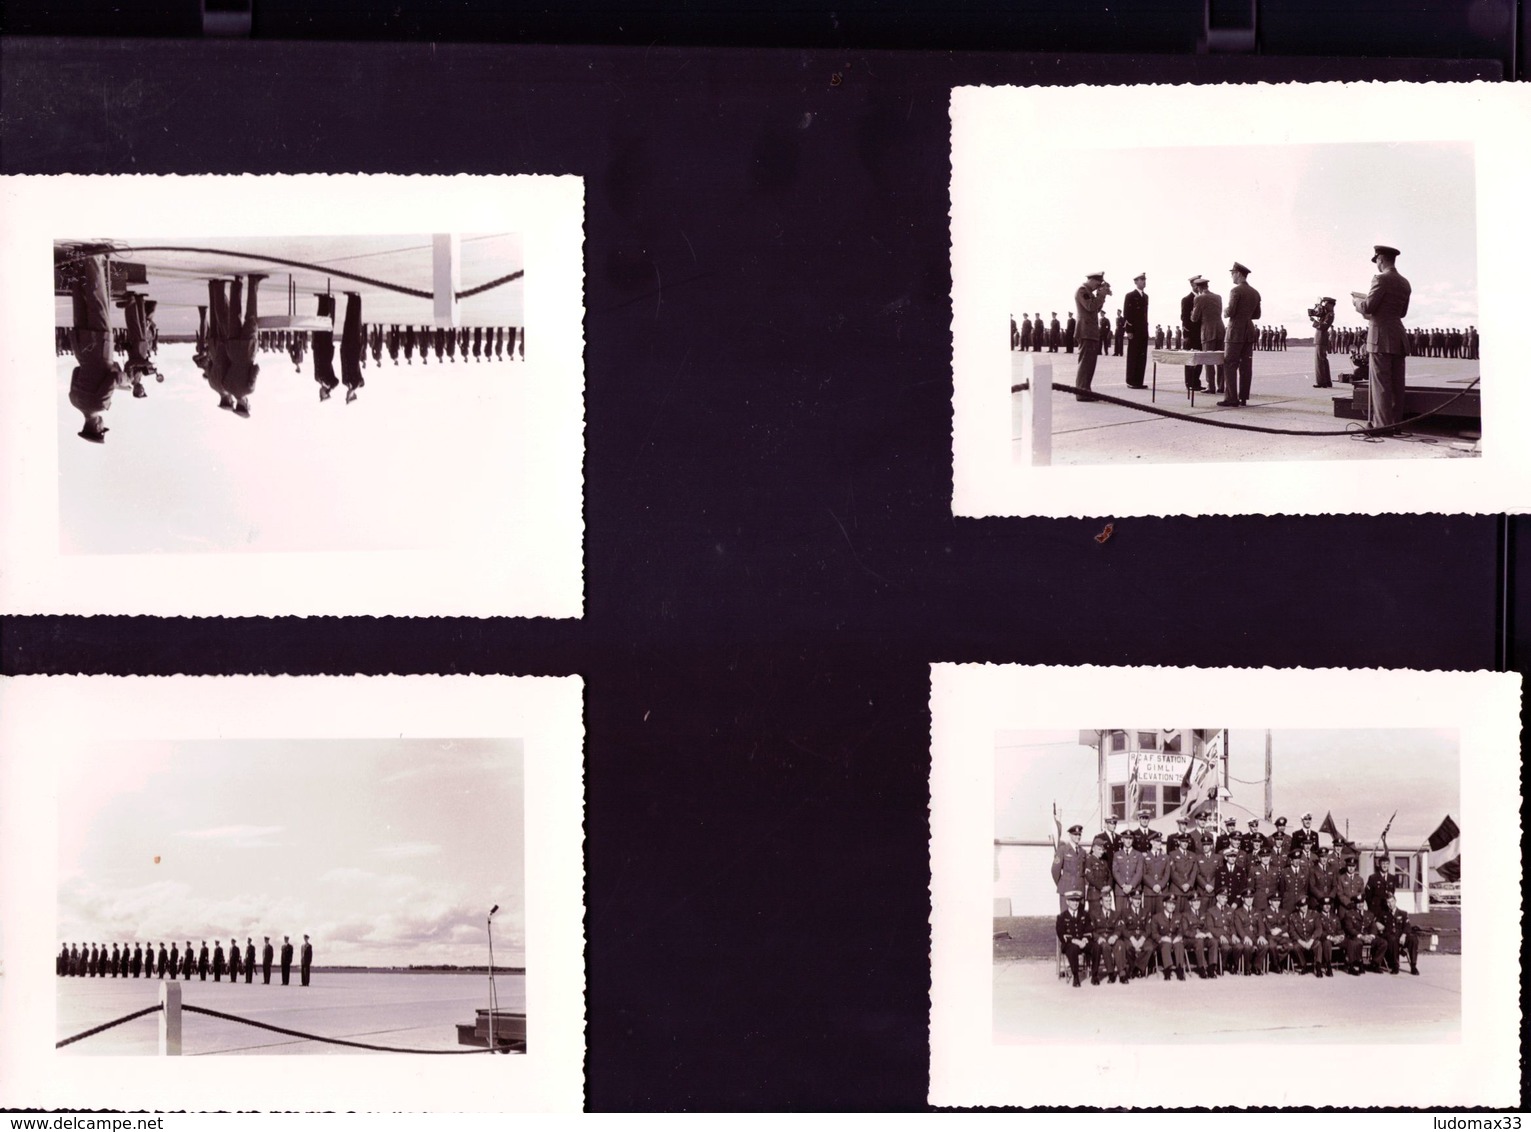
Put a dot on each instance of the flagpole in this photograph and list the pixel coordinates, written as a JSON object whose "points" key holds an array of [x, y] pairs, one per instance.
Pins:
{"points": [[1267, 774]]}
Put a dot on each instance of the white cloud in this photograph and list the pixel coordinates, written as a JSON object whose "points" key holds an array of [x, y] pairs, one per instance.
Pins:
{"points": [[237, 836], [407, 849]]}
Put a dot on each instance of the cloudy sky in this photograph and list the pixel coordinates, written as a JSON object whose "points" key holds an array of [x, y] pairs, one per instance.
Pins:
{"points": [[1362, 775], [1303, 218], [384, 851]]}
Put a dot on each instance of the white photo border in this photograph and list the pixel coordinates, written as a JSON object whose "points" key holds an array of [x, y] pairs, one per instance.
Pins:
{"points": [[39, 713], [535, 570], [1003, 136], [970, 703]]}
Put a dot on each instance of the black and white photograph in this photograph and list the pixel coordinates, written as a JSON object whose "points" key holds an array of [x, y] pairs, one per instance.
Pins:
{"points": [[394, 923], [221, 894], [1242, 890], [1293, 281], [379, 397], [1269, 863]]}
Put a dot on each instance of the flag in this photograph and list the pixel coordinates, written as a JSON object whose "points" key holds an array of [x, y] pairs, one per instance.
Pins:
{"points": [[1330, 828], [1384, 832], [1446, 850], [1134, 798], [1206, 804]]}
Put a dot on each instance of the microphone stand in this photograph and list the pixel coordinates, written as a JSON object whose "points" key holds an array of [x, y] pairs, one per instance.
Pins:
{"points": [[493, 995]]}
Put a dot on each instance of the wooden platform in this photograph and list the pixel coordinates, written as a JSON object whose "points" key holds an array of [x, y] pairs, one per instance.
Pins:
{"points": [[509, 1030], [1464, 412]]}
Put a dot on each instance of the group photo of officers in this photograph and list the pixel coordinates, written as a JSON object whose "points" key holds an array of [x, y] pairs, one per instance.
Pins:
{"points": [[143, 961], [1224, 903]]}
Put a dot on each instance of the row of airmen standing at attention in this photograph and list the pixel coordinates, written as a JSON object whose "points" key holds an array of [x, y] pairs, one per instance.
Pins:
{"points": [[481, 343], [94, 961]]}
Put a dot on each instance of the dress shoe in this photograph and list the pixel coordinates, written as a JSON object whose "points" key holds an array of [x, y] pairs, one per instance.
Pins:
{"points": [[1229, 404]]}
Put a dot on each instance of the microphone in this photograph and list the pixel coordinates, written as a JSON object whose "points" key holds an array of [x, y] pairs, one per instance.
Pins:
{"points": [[495, 909]]}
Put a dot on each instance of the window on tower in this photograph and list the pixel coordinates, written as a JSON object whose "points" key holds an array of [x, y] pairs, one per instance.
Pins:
{"points": [[1148, 741], [1170, 799], [1118, 740], [1148, 797], [1119, 803]]}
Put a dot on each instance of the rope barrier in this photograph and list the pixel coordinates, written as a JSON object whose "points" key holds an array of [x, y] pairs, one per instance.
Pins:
{"points": [[384, 285], [1353, 431], [155, 1009], [316, 1037]]}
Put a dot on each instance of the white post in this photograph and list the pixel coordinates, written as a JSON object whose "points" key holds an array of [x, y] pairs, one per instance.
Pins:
{"points": [[446, 275], [1037, 410], [170, 1019]]}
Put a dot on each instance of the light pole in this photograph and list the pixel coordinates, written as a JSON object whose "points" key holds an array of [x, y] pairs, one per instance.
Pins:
{"points": [[493, 997]]}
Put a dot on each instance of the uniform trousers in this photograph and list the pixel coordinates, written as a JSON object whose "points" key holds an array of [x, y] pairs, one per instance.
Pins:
{"points": [[1387, 392], [1089, 351], [1239, 362]]}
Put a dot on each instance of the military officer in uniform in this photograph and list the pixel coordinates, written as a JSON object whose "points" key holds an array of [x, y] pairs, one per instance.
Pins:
{"points": [[1331, 937], [1294, 883], [1109, 950], [1249, 935], [1200, 941], [136, 963], [1264, 881], [1182, 868], [1097, 874], [175, 960], [1307, 932], [1206, 873], [1256, 844], [1156, 878], [1127, 871], [1220, 923], [218, 960], [1088, 300], [1384, 307], [1142, 836], [1136, 930], [1379, 888], [267, 954], [1068, 865], [1400, 936], [1305, 838], [1323, 884], [1112, 838], [1191, 331], [166, 961], [1233, 875], [250, 960], [1238, 357], [1360, 931], [1228, 837], [1169, 931], [1281, 844], [188, 963], [286, 960], [1075, 935], [234, 963], [1278, 935], [305, 960], [1349, 885], [1134, 320], [202, 962]]}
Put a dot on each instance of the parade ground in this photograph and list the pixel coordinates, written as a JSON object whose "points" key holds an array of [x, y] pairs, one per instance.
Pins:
{"points": [[1281, 396], [1031, 1004], [413, 1011]]}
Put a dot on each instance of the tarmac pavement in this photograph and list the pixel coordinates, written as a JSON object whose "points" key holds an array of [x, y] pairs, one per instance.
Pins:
{"points": [[1033, 1005], [1281, 396]]}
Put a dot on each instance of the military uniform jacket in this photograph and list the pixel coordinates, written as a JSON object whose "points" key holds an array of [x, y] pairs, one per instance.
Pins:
{"points": [[1264, 882], [1348, 887], [1384, 307], [1281, 848], [1135, 311], [1219, 921], [1074, 925], [1105, 922], [1167, 923], [1193, 921], [1395, 924], [1234, 880], [1294, 883], [1142, 839], [1206, 872], [1304, 840], [1246, 923], [1182, 872], [1156, 871], [1087, 305], [1243, 309], [1322, 884], [1207, 313], [1331, 923], [1113, 845], [1134, 924], [1276, 925], [1358, 922], [1097, 872], [1128, 868], [1256, 845], [1306, 924], [1378, 885], [1068, 866]]}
